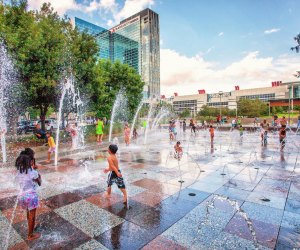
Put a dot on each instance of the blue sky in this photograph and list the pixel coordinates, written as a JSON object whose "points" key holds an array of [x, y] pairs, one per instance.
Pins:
{"points": [[209, 44]]}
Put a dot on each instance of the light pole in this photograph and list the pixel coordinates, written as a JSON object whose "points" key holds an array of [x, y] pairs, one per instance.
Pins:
{"points": [[220, 95], [290, 88]]}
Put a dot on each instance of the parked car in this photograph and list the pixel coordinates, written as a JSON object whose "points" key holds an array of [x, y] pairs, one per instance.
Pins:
{"points": [[22, 127], [32, 125], [50, 124]]}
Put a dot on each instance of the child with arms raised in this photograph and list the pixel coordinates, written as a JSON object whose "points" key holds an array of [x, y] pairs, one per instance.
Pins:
{"points": [[115, 175]]}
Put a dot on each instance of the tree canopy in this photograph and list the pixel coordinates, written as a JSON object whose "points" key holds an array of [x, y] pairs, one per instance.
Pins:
{"points": [[111, 77], [252, 108], [46, 48], [297, 47]]}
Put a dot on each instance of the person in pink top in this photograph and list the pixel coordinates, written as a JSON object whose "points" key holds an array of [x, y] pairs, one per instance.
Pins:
{"points": [[127, 134]]}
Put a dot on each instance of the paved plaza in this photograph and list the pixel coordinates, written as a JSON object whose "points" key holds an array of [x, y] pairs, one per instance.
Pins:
{"points": [[169, 201]]}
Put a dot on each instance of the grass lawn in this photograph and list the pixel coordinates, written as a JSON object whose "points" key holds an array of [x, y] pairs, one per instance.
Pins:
{"points": [[293, 115]]}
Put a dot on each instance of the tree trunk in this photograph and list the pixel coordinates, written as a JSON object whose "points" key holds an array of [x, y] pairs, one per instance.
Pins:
{"points": [[43, 116]]}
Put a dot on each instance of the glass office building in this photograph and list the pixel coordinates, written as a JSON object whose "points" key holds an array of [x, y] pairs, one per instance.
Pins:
{"points": [[102, 35], [135, 41]]}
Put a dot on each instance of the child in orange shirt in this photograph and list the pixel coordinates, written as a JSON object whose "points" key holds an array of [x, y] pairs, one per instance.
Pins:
{"points": [[212, 133], [178, 150]]}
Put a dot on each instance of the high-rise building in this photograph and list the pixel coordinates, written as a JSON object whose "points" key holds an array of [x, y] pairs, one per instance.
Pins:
{"points": [[135, 41]]}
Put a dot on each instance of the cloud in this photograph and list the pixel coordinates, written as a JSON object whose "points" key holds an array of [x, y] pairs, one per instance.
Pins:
{"points": [[209, 50], [60, 6], [106, 5], [270, 31], [131, 7], [221, 33], [186, 75], [117, 12]]}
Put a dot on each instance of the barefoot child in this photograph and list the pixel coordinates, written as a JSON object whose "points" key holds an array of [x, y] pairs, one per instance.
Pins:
{"points": [[134, 134], [282, 137], [178, 150], [51, 145], [115, 175], [127, 134], [99, 130], [27, 178], [212, 133], [241, 129]]}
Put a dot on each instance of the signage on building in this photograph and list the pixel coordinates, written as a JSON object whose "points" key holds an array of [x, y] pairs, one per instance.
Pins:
{"points": [[201, 91], [276, 84], [123, 25], [175, 94], [237, 87]]}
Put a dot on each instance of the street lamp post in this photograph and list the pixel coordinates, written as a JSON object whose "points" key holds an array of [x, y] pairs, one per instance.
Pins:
{"points": [[220, 95], [290, 88]]}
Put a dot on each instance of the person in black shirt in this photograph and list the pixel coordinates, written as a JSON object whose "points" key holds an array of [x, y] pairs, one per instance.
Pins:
{"points": [[39, 133], [184, 125]]}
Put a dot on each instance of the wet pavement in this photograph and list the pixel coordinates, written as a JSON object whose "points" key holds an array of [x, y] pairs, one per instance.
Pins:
{"points": [[168, 200]]}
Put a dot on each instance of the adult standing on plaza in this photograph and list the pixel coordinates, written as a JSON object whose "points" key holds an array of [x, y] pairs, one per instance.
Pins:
{"points": [[298, 124], [184, 125], [193, 126]]}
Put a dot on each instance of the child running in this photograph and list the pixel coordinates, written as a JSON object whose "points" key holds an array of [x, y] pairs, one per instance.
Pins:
{"points": [[115, 175], [127, 134], [241, 129], [28, 178], [178, 151], [282, 137], [51, 145], [212, 133]]}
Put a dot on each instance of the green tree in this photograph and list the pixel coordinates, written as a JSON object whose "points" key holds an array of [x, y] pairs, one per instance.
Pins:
{"points": [[297, 47], [45, 46], [208, 111], [110, 78], [252, 108], [185, 113]]}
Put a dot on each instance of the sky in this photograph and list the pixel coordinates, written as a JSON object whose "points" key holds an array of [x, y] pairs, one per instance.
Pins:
{"points": [[211, 45]]}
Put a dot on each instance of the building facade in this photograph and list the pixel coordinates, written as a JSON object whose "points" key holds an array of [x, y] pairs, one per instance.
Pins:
{"points": [[194, 103], [135, 41]]}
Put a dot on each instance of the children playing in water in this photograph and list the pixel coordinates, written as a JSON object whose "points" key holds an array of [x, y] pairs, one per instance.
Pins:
{"points": [[171, 131], [51, 145], [134, 134], [99, 130], [28, 178], [115, 175], [178, 150], [72, 129], [193, 126], [241, 129], [264, 132], [212, 133], [127, 134], [282, 137]]}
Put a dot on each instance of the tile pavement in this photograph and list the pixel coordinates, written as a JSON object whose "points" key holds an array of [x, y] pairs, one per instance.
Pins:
{"points": [[162, 212]]}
